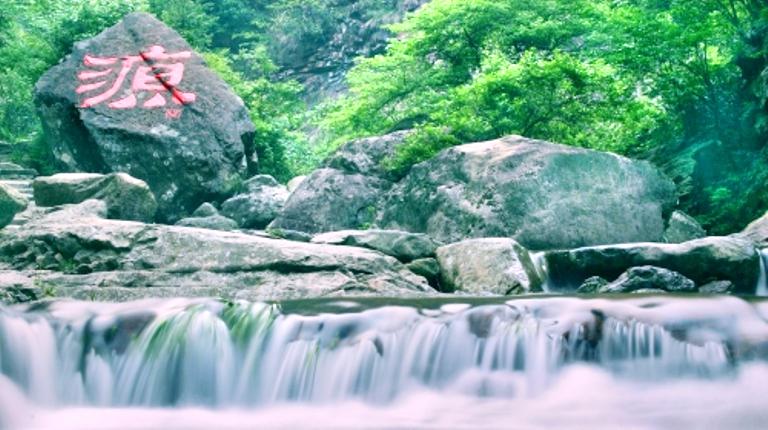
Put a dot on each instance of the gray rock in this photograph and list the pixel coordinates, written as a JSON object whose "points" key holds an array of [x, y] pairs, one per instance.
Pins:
{"points": [[11, 203], [258, 182], [188, 151], [487, 266], [366, 156], [126, 197], [544, 195], [205, 210], [399, 244], [757, 231], [592, 285], [12, 171], [343, 194], [701, 260], [15, 288], [717, 287], [298, 236], [649, 278], [87, 256], [294, 183], [259, 206], [331, 200], [429, 268], [682, 228], [213, 222], [652, 291]]}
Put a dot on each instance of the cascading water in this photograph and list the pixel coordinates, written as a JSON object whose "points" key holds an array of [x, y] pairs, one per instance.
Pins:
{"points": [[255, 356], [762, 281]]}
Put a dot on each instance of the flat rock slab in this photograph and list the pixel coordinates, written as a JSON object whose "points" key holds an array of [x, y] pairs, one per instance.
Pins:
{"points": [[702, 260], [75, 248], [399, 244]]}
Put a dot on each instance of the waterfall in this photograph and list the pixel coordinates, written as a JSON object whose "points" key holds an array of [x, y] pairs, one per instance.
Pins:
{"points": [[217, 354], [540, 265], [762, 281]]}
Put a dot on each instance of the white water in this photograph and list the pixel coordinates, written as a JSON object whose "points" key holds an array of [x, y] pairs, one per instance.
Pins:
{"points": [[83, 365], [762, 282]]}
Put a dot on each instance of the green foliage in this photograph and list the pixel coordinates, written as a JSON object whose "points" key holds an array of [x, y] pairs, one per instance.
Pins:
{"points": [[644, 78], [683, 83], [275, 109]]}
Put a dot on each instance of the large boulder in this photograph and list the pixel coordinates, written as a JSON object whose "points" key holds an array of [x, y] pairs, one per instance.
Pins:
{"points": [[343, 194], [89, 257], [544, 195], [402, 245], [259, 205], [702, 260], [126, 197], [137, 99], [11, 203], [487, 266]]}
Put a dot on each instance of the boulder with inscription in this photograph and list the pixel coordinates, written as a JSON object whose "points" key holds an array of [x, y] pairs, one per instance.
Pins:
{"points": [[137, 99]]}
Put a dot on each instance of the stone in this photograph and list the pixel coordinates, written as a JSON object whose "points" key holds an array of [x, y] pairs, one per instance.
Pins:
{"points": [[213, 222], [11, 203], [205, 210], [294, 183], [429, 268], [592, 285], [701, 260], [331, 200], [89, 257], [399, 244], [649, 278], [717, 287], [262, 202], [366, 156], [343, 194], [126, 197], [12, 171], [257, 182], [298, 236], [650, 291], [682, 228], [188, 137], [544, 195], [757, 231], [496, 266]]}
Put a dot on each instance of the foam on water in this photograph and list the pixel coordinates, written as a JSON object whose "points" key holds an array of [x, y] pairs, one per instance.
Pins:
{"points": [[410, 365]]}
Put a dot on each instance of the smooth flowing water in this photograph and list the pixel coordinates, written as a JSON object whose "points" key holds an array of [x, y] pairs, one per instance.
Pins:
{"points": [[556, 362]]}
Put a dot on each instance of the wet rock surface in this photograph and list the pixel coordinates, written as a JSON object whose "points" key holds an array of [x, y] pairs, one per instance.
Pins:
{"points": [[702, 260]]}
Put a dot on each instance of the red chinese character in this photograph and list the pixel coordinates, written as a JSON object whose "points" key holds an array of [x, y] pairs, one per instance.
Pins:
{"points": [[162, 72]]}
